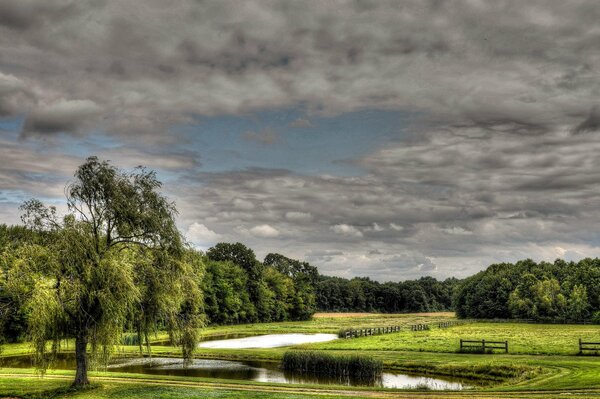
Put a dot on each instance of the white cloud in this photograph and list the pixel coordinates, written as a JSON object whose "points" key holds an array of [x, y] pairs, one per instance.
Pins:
{"points": [[264, 231], [459, 231], [396, 227], [201, 236], [346, 230], [375, 227]]}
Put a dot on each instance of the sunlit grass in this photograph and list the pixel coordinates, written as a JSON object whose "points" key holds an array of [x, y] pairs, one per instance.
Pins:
{"points": [[533, 339]]}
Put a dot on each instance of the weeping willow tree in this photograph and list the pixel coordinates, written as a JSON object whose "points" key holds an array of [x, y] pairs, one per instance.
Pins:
{"points": [[117, 258]]}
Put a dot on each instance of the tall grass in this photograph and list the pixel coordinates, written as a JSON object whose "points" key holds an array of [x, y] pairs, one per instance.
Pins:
{"points": [[356, 368]]}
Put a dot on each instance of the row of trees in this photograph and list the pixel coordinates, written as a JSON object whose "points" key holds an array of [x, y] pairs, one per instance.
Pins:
{"points": [[365, 295], [560, 291]]}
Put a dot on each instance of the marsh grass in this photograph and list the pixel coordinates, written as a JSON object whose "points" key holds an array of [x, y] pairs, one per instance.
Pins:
{"points": [[358, 368]]}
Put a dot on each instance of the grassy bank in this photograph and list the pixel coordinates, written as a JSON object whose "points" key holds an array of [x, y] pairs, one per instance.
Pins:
{"points": [[542, 360], [530, 339]]}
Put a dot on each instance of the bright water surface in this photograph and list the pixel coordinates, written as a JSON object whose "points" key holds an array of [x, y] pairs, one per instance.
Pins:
{"points": [[268, 341]]}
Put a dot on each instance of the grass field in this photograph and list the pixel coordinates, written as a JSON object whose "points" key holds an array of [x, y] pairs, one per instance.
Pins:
{"points": [[532, 339], [542, 362]]}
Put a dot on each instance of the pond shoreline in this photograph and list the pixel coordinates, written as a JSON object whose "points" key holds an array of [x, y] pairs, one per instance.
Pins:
{"points": [[243, 370]]}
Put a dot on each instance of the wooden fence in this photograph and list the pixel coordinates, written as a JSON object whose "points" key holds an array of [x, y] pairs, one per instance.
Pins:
{"points": [[365, 332], [419, 327], [482, 346], [589, 346], [446, 324]]}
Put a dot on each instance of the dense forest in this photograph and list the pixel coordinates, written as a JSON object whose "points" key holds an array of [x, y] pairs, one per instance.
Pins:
{"points": [[559, 292], [365, 295]]}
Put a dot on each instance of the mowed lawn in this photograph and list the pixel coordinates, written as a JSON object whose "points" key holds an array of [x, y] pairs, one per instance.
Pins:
{"points": [[532, 339], [331, 323]]}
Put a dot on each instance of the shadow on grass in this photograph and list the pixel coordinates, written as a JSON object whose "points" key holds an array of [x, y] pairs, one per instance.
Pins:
{"points": [[54, 392]]}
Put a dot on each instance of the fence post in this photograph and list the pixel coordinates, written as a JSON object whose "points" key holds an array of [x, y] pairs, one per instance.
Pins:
{"points": [[483, 343], [506, 346], [580, 350], [461, 345]]}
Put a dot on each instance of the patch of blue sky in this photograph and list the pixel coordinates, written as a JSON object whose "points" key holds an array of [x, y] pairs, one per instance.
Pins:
{"points": [[268, 139], [11, 127], [90, 143], [12, 196]]}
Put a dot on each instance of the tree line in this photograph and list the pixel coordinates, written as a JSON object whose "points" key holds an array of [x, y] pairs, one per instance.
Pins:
{"points": [[361, 294], [558, 292]]}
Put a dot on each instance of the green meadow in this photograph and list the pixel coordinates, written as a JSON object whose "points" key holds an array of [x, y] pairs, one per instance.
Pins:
{"points": [[542, 362]]}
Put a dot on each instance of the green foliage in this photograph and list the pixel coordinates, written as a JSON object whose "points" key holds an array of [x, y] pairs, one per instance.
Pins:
{"points": [[244, 257], [114, 260], [542, 291], [364, 295], [237, 288]]}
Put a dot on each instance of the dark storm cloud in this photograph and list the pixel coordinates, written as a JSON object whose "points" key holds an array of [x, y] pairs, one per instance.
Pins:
{"points": [[591, 123], [500, 162], [518, 66], [24, 14]]}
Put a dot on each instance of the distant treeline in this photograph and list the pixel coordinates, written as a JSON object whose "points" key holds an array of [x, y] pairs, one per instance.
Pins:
{"points": [[238, 288], [365, 295], [558, 292]]}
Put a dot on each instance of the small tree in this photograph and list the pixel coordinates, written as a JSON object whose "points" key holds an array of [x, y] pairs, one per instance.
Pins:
{"points": [[117, 252]]}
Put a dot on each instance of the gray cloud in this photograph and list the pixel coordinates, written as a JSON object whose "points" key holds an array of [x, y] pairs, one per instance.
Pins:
{"points": [[590, 124], [337, 57], [500, 161]]}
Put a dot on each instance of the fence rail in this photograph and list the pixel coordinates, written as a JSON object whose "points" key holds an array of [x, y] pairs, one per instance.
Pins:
{"points": [[589, 346], [365, 332], [446, 324], [419, 327], [483, 345]]}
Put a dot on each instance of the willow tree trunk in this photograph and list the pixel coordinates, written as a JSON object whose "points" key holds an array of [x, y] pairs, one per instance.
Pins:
{"points": [[81, 375]]}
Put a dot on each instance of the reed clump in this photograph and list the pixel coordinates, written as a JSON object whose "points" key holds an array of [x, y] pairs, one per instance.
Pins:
{"points": [[358, 368]]}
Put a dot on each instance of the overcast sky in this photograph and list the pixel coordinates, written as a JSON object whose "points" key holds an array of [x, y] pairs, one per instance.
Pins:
{"points": [[391, 139]]}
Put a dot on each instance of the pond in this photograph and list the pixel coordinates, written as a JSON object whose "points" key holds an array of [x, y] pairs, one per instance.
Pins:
{"points": [[268, 341], [240, 370]]}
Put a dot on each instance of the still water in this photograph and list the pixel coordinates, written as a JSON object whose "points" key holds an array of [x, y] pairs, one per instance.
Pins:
{"points": [[268, 341], [239, 370]]}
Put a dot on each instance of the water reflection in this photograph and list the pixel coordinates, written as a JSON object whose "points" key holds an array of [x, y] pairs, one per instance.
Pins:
{"points": [[242, 370]]}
